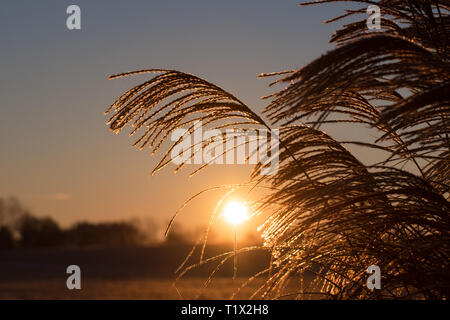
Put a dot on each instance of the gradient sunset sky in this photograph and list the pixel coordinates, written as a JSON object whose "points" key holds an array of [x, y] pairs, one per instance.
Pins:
{"points": [[58, 156]]}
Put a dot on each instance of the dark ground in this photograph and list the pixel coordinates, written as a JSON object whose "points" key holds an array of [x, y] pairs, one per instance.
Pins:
{"points": [[118, 273]]}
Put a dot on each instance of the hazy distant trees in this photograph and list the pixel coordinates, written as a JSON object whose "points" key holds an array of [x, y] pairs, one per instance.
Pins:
{"points": [[40, 232], [6, 238], [11, 210], [19, 228], [178, 236], [106, 234]]}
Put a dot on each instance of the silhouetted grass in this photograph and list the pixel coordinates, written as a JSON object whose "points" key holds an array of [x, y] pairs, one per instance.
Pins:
{"points": [[327, 212]]}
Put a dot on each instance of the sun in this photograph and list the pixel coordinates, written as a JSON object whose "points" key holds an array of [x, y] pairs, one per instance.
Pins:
{"points": [[236, 212]]}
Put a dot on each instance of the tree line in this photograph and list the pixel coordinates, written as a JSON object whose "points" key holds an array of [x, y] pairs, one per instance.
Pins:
{"points": [[20, 228]]}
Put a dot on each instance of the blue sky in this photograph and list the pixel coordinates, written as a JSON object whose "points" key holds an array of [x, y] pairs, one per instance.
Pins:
{"points": [[57, 154]]}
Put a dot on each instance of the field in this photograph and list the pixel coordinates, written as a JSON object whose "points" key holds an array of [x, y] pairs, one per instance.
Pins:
{"points": [[222, 288], [119, 273]]}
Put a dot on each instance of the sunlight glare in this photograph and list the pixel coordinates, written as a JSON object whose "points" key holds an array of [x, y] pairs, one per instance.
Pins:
{"points": [[236, 213]]}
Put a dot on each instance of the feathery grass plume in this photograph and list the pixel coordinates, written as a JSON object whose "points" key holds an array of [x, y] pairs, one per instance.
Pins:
{"points": [[327, 213]]}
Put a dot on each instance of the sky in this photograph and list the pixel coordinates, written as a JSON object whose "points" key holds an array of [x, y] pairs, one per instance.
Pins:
{"points": [[58, 156]]}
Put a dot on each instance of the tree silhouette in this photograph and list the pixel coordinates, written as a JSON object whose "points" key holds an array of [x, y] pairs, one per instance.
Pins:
{"points": [[104, 234], [327, 212], [40, 232], [6, 238]]}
